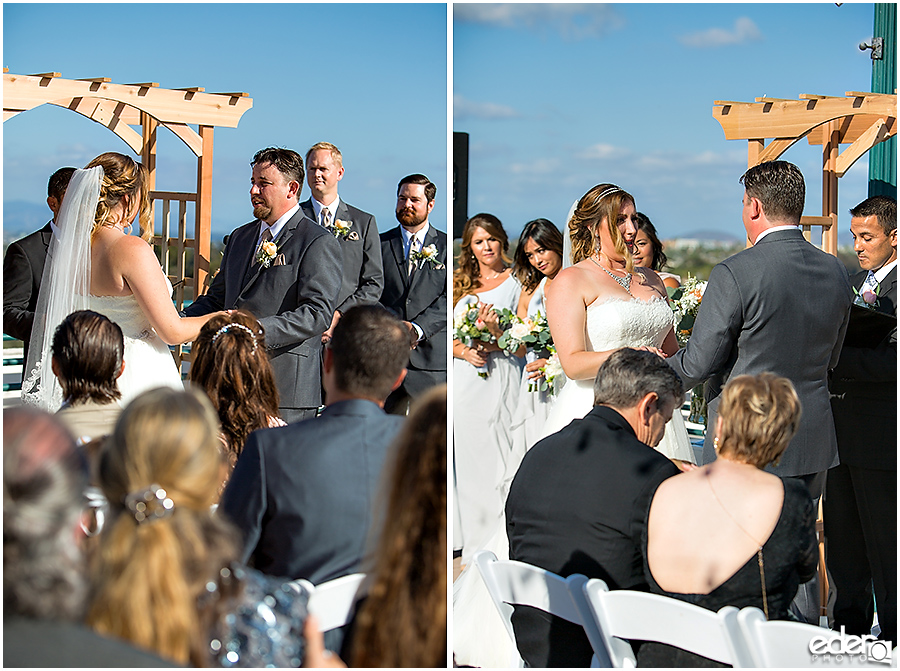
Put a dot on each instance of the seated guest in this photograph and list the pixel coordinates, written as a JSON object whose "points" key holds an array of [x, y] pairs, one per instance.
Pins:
{"points": [[231, 365], [579, 500], [302, 494], [164, 575], [88, 357], [408, 578], [45, 586], [730, 534]]}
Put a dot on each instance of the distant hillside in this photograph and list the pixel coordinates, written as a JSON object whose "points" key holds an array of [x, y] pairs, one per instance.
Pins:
{"points": [[709, 234]]}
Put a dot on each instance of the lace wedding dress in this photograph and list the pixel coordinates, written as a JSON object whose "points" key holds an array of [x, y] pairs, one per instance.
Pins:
{"points": [[148, 361], [612, 324]]}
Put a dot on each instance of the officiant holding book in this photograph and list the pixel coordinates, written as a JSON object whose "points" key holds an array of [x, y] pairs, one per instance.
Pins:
{"points": [[860, 505]]}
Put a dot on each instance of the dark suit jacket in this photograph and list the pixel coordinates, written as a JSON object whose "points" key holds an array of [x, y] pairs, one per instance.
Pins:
{"points": [[421, 298], [780, 306], [294, 302], [864, 391], [578, 505], [363, 277], [303, 495], [23, 267]]}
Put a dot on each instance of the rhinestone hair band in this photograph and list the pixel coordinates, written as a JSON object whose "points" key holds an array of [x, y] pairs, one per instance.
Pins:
{"points": [[147, 505], [607, 192], [227, 327]]}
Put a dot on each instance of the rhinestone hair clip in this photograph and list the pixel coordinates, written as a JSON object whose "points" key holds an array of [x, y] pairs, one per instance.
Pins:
{"points": [[149, 504], [607, 192], [236, 326]]}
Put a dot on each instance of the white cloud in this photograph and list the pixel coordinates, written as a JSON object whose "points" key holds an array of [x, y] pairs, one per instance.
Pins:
{"points": [[469, 109], [603, 152], [537, 167], [744, 31], [572, 21]]}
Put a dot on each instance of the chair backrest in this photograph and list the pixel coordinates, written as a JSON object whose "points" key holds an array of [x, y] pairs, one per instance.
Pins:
{"points": [[512, 582], [781, 643], [625, 614], [332, 601]]}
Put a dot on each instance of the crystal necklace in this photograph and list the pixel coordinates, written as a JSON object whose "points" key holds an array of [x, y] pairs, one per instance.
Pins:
{"points": [[624, 282]]}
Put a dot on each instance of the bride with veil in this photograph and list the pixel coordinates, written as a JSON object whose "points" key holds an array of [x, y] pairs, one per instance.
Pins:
{"points": [[95, 265], [599, 304]]}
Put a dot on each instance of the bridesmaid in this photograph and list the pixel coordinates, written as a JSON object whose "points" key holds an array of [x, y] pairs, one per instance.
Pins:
{"points": [[486, 381], [538, 259], [647, 250]]}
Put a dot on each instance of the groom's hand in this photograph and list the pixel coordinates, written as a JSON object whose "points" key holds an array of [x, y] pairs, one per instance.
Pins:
{"points": [[655, 350]]}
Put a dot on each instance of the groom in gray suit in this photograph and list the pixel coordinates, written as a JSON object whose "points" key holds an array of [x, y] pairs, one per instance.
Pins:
{"points": [[363, 278], [286, 270], [781, 306]]}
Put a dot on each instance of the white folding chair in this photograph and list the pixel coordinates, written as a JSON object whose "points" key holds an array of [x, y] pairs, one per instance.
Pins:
{"points": [[517, 583], [625, 614], [782, 643], [332, 601]]}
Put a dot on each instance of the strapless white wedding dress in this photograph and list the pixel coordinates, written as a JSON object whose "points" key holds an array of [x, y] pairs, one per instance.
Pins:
{"points": [[148, 361], [611, 324]]}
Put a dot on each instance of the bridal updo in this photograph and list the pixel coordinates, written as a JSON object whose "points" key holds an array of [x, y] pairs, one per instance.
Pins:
{"points": [[124, 179], [604, 201]]}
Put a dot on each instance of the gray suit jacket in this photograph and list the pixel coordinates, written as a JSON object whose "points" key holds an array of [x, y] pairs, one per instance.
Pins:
{"points": [[23, 267], [363, 277], [294, 301], [422, 299], [780, 306], [304, 495]]}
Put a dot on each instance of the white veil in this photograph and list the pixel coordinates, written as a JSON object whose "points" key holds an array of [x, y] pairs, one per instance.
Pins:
{"points": [[65, 285], [567, 239]]}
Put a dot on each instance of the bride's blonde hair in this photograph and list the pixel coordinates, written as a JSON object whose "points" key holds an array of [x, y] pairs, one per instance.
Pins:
{"points": [[604, 201], [123, 178]]}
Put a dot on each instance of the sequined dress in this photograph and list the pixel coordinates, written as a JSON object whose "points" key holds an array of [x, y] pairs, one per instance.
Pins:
{"points": [[148, 361]]}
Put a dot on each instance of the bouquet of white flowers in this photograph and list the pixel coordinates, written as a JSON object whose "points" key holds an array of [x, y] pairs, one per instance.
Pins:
{"points": [[685, 302], [468, 328], [552, 373]]}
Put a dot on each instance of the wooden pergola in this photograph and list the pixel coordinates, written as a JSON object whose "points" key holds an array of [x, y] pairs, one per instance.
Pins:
{"points": [[861, 120]]}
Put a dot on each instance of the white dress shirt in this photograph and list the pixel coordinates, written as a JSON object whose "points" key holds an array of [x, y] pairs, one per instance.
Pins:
{"points": [[278, 225], [317, 208]]}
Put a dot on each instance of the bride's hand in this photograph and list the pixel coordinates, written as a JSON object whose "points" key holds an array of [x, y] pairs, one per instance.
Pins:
{"points": [[534, 368], [655, 350]]}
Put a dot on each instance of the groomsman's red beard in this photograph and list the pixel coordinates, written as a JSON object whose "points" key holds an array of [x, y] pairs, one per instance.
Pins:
{"points": [[408, 217], [261, 212]]}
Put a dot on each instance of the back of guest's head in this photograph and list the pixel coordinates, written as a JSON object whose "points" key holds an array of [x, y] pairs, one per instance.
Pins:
{"points": [[409, 577], [231, 365], [44, 477], [288, 162], [160, 470], [370, 347], [125, 182], [59, 182], [417, 178], [336, 155], [628, 375], [760, 414], [780, 188], [643, 223], [602, 202], [882, 207], [544, 234], [88, 350]]}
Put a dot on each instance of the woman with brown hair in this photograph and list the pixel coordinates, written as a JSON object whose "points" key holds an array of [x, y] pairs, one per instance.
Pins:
{"points": [[603, 303], [647, 250], [729, 533], [164, 574], [485, 379], [94, 264], [231, 365]]}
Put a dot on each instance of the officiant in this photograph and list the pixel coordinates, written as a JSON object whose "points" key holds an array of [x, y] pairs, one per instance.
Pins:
{"points": [[860, 505]]}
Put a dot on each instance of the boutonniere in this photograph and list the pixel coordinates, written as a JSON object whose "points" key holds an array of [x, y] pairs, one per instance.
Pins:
{"points": [[266, 253], [429, 255], [341, 230], [867, 298]]}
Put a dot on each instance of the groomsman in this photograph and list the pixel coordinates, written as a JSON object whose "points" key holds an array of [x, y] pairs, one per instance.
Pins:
{"points": [[23, 266], [415, 287], [286, 270], [780, 306], [860, 505], [363, 278]]}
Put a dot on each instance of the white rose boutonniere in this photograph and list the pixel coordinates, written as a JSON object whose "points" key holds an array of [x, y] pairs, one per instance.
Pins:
{"points": [[265, 253], [341, 230], [429, 255]]}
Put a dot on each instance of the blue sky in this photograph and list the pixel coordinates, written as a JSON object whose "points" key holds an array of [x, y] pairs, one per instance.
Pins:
{"points": [[369, 78], [557, 98]]}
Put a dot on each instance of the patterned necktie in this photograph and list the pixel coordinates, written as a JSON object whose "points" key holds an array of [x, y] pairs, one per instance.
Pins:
{"points": [[413, 248], [871, 283], [326, 217]]}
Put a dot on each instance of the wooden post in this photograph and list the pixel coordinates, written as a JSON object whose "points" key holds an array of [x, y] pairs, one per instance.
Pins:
{"points": [[148, 155], [830, 152], [203, 209]]}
